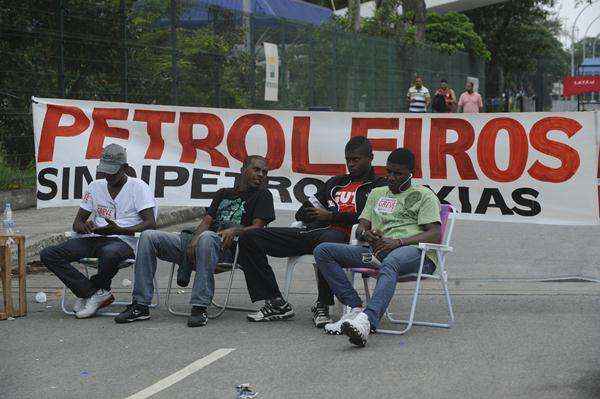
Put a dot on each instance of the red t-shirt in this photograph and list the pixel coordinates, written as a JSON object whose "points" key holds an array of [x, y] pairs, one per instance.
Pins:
{"points": [[345, 199]]}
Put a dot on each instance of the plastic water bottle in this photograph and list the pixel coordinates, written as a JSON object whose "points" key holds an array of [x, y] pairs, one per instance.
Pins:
{"points": [[8, 223]]}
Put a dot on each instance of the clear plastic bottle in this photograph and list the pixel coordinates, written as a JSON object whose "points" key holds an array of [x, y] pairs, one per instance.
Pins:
{"points": [[8, 223]]}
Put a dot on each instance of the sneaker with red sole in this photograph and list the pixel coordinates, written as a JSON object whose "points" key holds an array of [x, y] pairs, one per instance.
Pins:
{"points": [[100, 299]]}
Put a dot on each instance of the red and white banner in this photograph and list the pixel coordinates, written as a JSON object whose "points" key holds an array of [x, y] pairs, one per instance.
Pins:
{"points": [[525, 167], [575, 85]]}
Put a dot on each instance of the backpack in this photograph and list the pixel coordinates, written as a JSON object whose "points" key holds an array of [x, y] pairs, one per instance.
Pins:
{"points": [[439, 103]]}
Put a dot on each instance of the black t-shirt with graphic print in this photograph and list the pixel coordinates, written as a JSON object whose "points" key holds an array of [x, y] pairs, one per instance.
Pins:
{"points": [[230, 208]]}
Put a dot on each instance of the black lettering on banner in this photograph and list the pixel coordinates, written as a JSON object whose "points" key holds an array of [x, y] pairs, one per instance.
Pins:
{"points": [[300, 188], [182, 177], [463, 197], [66, 176], [45, 182], [443, 193], [146, 174], [487, 196], [198, 180], [81, 172], [235, 175], [281, 184], [533, 207]]}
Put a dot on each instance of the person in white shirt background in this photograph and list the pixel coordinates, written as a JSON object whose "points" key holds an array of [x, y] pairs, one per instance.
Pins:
{"points": [[112, 210], [418, 97]]}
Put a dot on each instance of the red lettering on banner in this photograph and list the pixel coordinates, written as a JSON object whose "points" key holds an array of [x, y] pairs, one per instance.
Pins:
{"points": [[51, 130], [568, 156], [101, 130], [361, 127], [236, 139], [154, 121], [209, 144], [412, 140], [518, 150], [439, 148], [300, 156]]}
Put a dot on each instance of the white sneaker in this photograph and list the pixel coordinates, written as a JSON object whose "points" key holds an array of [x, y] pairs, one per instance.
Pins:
{"points": [[79, 304], [336, 328], [357, 329], [100, 299]]}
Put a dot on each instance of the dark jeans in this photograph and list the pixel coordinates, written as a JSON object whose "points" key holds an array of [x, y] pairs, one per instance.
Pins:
{"points": [[281, 242], [110, 252]]}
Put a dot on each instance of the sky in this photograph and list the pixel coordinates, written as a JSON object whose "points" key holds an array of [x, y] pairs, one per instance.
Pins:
{"points": [[568, 12]]}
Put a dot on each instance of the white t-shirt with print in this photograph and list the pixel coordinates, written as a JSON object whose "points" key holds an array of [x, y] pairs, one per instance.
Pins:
{"points": [[124, 209]]}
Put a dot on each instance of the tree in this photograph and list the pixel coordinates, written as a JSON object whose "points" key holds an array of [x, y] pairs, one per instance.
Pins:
{"points": [[415, 12], [519, 34]]}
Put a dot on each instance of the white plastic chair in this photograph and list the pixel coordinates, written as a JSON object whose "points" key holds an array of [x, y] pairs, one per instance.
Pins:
{"points": [[224, 267], [93, 263], [447, 216]]}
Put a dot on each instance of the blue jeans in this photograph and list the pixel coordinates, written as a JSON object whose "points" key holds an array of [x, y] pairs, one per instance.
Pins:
{"points": [[110, 252], [155, 244], [331, 259]]}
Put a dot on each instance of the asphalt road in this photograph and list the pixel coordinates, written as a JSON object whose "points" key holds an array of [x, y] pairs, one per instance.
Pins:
{"points": [[514, 337]]}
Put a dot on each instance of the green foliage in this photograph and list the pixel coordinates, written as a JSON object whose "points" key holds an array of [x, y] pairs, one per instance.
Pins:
{"points": [[520, 34], [454, 32], [448, 33]]}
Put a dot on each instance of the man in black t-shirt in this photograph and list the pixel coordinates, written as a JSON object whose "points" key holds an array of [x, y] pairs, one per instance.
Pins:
{"points": [[233, 211], [328, 216]]}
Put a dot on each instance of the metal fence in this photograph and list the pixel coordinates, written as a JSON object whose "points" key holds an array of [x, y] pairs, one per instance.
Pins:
{"points": [[187, 53]]}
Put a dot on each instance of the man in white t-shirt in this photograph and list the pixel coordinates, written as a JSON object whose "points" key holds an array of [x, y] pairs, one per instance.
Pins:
{"points": [[112, 210], [418, 97]]}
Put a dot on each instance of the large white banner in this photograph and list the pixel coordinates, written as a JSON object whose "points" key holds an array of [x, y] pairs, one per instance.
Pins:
{"points": [[522, 167]]}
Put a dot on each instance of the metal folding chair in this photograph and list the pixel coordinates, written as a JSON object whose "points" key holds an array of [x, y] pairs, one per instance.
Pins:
{"points": [[447, 216], [93, 263], [221, 268], [291, 265]]}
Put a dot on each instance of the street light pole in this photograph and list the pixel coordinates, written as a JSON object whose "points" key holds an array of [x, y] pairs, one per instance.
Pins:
{"points": [[573, 37], [586, 33]]}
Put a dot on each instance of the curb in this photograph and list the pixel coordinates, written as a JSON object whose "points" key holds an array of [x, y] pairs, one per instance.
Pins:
{"points": [[176, 216]]}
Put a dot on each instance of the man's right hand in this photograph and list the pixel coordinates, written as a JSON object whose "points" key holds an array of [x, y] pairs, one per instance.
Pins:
{"points": [[190, 251], [86, 227], [372, 236]]}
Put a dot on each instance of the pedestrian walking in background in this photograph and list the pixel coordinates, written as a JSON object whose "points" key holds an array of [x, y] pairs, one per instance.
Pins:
{"points": [[444, 100], [470, 102], [418, 97]]}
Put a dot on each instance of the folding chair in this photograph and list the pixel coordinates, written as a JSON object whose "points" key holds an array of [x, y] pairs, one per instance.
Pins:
{"points": [[291, 265], [93, 263], [222, 267], [447, 216]]}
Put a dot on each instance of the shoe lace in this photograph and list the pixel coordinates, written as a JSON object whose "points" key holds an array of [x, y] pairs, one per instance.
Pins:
{"points": [[267, 308], [320, 311]]}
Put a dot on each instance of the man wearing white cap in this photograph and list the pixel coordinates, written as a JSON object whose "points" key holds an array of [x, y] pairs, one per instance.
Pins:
{"points": [[112, 210]]}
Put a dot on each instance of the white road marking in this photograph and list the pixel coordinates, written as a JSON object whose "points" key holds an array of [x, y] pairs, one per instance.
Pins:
{"points": [[181, 374]]}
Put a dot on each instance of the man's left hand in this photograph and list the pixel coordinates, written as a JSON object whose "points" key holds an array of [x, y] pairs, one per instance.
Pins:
{"points": [[319, 214], [110, 229], [386, 245], [228, 235]]}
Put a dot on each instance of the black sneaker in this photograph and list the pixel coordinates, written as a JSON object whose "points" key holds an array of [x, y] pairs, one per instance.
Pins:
{"points": [[321, 315], [198, 317], [133, 312], [272, 311]]}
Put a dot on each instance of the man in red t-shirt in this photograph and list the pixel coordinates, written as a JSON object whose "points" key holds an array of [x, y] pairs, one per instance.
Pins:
{"points": [[328, 216]]}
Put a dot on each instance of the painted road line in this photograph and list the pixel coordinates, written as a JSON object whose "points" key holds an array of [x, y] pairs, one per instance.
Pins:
{"points": [[181, 374]]}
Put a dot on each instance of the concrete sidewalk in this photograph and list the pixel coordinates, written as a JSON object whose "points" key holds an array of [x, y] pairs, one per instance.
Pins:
{"points": [[43, 227]]}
